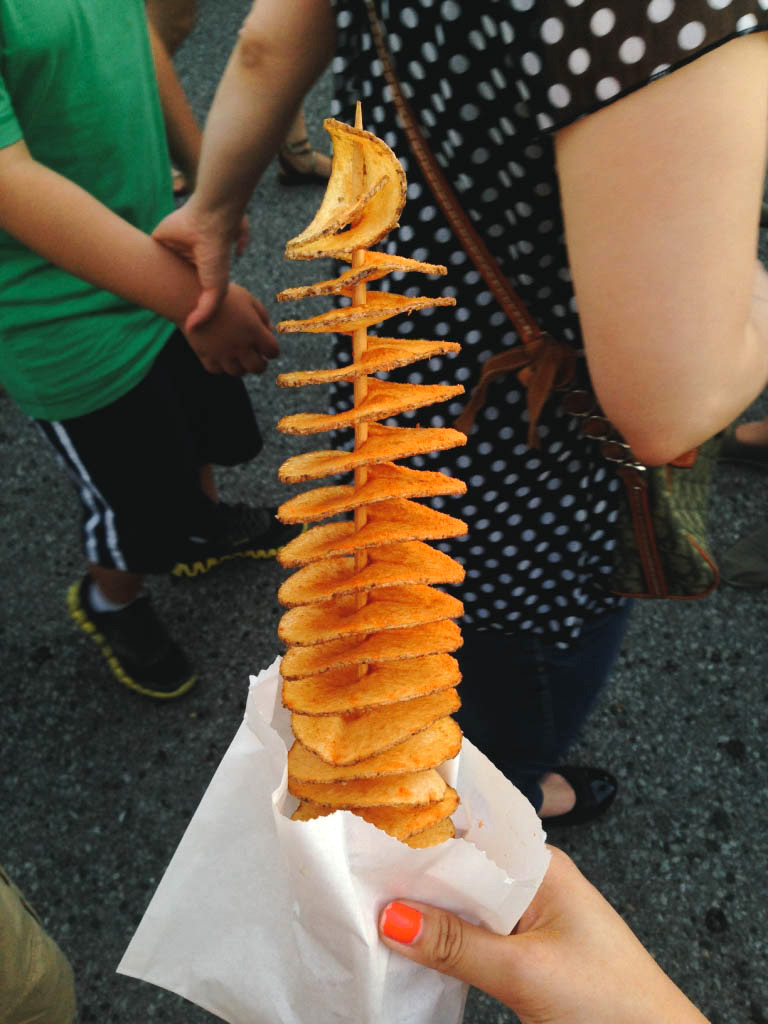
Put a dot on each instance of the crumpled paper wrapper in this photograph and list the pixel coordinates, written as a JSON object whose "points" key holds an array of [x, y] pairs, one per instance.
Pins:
{"points": [[263, 920]]}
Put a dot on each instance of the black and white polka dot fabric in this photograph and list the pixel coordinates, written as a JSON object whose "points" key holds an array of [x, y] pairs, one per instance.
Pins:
{"points": [[490, 81]]}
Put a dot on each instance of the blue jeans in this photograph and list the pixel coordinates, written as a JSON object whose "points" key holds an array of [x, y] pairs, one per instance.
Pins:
{"points": [[524, 701]]}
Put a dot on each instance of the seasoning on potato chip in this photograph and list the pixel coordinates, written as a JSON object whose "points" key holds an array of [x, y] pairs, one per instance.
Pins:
{"points": [[414, 789], [366, 190], [398, 822], [391, 608], [409, 562], [397, 645], [384, 444], [348, 319], [433, 835], [384, 399], [344, 689], [374, 266], [388, 522], [385, 480], [382, 354], [427, 748], [358, 735]]}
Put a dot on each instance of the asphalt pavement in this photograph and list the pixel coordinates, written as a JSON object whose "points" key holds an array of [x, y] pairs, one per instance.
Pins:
{"points": [[97, 784]]}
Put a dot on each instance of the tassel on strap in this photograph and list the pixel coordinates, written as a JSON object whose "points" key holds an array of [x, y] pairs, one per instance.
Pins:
{"points": [[541, 365]]}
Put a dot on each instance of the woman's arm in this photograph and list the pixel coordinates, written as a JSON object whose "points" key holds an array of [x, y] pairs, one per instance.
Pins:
{"points": [[661, 197], [281, 50]]}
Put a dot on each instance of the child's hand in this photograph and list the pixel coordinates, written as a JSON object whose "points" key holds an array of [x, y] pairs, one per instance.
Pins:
{"points": [[201, 241], [238, 338], [571, 959]]}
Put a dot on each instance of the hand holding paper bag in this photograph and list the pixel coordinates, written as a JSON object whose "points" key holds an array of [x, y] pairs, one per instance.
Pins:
{"points": [[572, 960], [264, 920]]}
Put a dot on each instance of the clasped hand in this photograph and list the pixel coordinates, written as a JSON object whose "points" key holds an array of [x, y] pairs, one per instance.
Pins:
{"points": [[228, 328], [237, 338]]}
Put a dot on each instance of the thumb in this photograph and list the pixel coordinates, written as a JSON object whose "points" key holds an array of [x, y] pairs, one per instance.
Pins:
{"points": [[446, 943], [207, 303]]}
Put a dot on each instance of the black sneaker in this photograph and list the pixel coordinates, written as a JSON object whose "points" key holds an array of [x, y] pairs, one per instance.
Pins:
{"points": [[246, 533], [134, 644]]}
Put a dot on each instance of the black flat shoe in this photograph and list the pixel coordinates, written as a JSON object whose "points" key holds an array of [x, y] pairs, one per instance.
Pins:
{"points": [[595, 792], [742, 453]]}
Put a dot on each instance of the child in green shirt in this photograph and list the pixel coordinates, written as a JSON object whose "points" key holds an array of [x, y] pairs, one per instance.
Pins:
{"points": [[96, 338]]}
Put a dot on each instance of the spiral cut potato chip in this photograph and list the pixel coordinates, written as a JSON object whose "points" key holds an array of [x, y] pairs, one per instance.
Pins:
{"points": [[382, 354], [392, 820], [368, 674], [441, 637], [388, 522], [410, 562], [373, 266], [383, 444], [344, 689], [384, 481]]}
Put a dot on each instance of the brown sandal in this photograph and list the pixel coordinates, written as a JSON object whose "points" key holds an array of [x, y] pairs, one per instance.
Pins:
{"points": [[289, 174]]}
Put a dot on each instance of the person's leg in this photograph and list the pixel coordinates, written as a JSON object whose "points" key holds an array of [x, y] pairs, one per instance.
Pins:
{"points": [[142, 469], [116, 585], [136, 470], [173, 19], [505, 707], [207, 482], [746, 444], [137, 475], [223, 432], [300, 164], [36, 982], [753, 432], [524, 701]]}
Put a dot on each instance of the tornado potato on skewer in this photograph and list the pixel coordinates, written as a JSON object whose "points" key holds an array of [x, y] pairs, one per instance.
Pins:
{"points": [[368, 673]]}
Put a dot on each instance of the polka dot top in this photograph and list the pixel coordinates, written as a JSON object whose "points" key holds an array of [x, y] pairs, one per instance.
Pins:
{"points": [[490, 81]]}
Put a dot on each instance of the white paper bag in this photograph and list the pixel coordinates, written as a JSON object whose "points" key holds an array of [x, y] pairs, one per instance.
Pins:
{"points": [[263, 920]]}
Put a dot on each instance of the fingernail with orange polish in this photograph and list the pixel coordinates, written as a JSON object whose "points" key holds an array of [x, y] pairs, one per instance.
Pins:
{"points": [[401, 923]]}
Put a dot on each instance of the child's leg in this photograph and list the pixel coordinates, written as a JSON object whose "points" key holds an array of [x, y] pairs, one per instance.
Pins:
{"points": [[173, 19], [137, 472], [36, 982], [207, 482], [117, 586]]}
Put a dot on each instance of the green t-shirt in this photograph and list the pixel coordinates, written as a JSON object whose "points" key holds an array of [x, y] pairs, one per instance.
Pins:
{"points": [[77, 84]]}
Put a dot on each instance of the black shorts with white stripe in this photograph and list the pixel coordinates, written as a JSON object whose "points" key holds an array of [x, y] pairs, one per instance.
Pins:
{"points": [[136, 463]]}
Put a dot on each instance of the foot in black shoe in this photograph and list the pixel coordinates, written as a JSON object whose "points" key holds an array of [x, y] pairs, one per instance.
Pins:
{"points": [[246, 532], [742, 453], [595, 791], [746, 563], [135, 645]]}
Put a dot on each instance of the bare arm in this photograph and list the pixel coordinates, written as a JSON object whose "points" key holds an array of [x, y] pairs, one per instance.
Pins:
{"points": [[281, 50], [62, 222], [571, 959], [661, 197], [67, 226], [182, 129]]}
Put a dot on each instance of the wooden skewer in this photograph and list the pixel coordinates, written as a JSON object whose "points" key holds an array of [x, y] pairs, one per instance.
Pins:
{"points": [[359, 347]]}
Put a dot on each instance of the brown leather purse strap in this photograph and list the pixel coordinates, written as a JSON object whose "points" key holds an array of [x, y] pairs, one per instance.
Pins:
{"points": [[544, 363]]}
